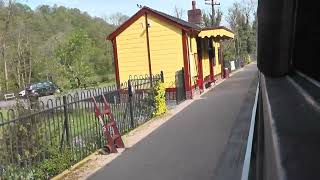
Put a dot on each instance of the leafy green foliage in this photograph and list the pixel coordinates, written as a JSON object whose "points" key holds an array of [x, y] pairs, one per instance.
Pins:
{"points": [[13, 172], [57, 162], [244, 45], [30, 40], [207, 19], [75, 56], [26, 151], [158, 99], [247, 59], [24, 140]]}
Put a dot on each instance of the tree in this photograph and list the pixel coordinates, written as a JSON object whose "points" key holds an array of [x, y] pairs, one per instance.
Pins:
{"points": [[1, 3], [74, 55], [254, 35], [207, 19], [239, 21], [23, 62], [29, 40], [7, 20], [178, 12], [23, 7], [117, 19]]}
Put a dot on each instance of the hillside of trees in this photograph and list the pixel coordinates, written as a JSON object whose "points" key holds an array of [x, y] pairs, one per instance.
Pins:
{"points": [[56, 43], [242, 21]]}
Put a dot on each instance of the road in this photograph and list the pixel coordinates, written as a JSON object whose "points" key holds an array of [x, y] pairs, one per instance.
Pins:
{"points": [[7, 104], [82, 94], [207, 140], [11, 103]]}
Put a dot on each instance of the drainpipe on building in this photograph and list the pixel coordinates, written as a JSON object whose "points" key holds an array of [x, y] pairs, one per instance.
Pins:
{"points": [[148, 48]]}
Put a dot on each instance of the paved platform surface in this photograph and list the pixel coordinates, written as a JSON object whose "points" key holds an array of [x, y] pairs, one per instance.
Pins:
{"points": [[204, 141]]}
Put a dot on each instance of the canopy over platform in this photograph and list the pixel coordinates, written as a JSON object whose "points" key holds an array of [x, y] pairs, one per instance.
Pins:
{"points": [[221, 32]]}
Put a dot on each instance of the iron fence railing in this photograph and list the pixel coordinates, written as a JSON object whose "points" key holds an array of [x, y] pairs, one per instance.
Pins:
{"points": [[28, 136]]}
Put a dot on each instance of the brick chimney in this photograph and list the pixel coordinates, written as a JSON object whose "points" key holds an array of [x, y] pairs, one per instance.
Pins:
{"points": [[195, 15]]}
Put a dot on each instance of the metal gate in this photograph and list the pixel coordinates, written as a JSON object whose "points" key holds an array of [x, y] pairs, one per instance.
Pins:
{"points": [[180, 86]]}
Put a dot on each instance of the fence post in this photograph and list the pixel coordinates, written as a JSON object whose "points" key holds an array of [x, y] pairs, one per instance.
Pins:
{"points": [[66, 123], [162, 77], [130, 93]]}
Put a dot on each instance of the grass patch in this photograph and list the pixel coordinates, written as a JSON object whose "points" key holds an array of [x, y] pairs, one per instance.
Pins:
{"points": [[3, 115]]}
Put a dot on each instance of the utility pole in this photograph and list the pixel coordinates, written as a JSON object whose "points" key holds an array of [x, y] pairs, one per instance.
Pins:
{"points": [[212, 3]]}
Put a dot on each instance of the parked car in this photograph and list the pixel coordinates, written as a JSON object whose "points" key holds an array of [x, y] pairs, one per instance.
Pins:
{"points": [[40, 89], [22, 93]]}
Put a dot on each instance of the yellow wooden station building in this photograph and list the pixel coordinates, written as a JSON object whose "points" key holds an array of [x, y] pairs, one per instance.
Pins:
{"points": [[152, 41]]}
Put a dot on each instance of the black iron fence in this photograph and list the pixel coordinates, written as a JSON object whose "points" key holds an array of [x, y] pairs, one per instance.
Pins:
{"points": [[67, 125]]}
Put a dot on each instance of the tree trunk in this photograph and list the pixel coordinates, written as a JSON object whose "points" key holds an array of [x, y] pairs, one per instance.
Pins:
{"points": [[23, 80], [30, 66], [30, 71], [19, 75], [5, 66], [6, 74], [7, 23], [25, 73], [20, 57]]}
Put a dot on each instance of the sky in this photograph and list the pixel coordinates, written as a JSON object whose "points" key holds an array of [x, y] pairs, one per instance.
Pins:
{"points": [[103, 8]]}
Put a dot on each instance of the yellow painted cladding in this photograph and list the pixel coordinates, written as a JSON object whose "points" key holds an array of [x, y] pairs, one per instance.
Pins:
{"points": [[205, 58], [132, 50], [193, 59], [165, 49], [217, 67]]}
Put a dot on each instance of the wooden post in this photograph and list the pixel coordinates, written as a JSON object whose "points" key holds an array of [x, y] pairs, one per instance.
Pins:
{"points": [[148, 48], [162, 76], [130, 104], [200, 67], [220, 53], [116, 63], [211, 59], [186, 64]]}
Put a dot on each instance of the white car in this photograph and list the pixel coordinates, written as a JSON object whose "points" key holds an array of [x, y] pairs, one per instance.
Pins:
{"points": [[22, 93]]}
